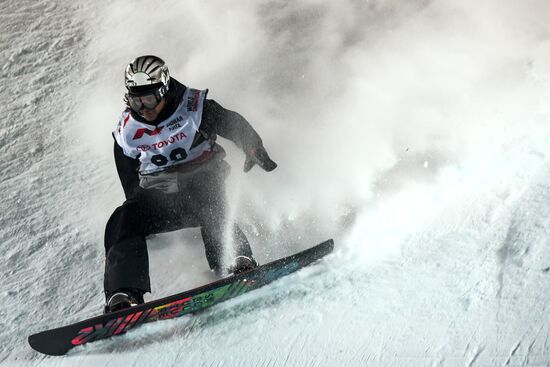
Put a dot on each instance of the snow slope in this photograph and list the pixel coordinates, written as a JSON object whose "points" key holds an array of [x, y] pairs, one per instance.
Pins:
{"points": [[415, 134]]}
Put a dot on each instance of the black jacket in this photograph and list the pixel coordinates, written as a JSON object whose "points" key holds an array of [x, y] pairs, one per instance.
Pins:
{"points": [[216, 120]]}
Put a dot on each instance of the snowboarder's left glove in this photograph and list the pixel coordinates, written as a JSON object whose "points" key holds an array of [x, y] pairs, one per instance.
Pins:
{"points": [[260, 157]]}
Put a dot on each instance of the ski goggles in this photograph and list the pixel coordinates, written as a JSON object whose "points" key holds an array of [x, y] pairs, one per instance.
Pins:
{"points": [[147, 101]]}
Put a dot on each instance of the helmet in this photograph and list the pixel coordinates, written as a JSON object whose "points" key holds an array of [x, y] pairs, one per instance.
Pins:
{"points": [[145, 75]]}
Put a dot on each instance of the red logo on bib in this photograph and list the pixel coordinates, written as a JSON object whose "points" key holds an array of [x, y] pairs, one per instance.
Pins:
{"points": [[140, 132]]}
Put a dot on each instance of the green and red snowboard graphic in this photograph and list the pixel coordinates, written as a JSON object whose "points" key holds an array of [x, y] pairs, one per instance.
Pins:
{"points": [[164, 312], [59, 341]]}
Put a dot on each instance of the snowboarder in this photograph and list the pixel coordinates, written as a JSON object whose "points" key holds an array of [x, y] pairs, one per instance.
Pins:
{"points": [[172, 172]]}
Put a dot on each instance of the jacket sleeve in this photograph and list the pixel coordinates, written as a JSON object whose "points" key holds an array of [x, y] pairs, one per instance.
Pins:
{"points": [[127, 169], [230, 125]]}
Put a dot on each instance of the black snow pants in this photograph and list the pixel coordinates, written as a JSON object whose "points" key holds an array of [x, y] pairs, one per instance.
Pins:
{"points": [[201, 204]]}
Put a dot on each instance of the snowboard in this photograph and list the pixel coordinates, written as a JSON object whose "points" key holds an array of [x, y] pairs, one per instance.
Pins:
{"points": [[60, 340]]}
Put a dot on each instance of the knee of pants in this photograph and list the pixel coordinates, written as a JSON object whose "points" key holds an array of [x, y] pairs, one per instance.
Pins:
{"points": [[120, 252], [123, 224]]}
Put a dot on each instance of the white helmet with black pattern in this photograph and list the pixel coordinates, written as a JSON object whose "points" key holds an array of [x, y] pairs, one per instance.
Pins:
{"points": [[147, 74]]}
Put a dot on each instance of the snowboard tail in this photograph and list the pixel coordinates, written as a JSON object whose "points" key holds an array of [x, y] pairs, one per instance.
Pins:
{"points": [[60, 340]]}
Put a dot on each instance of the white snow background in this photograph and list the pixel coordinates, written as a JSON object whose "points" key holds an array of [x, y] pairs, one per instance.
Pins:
{"points": [[413, 132]]}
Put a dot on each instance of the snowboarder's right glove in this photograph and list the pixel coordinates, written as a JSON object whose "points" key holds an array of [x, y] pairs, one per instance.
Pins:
{"points": [[260, 157]]}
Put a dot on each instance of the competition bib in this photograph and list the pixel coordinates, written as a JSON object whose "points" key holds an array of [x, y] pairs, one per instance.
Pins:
{"points": [[170, 142]]}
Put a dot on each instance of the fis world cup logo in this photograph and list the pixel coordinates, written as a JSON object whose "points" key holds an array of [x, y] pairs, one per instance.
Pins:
{"points": [[193, 100], [140, 132]]}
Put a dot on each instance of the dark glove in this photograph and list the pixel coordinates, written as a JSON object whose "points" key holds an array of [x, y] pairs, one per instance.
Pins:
{"points": [[260, 157]]}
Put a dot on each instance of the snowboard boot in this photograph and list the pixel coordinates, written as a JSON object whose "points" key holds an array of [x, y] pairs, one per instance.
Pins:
{"points": [[242, 264], [122, 299]]}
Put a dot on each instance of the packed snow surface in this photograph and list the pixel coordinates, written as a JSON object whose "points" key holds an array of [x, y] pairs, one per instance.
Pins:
{"points": [[415, 133]]}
